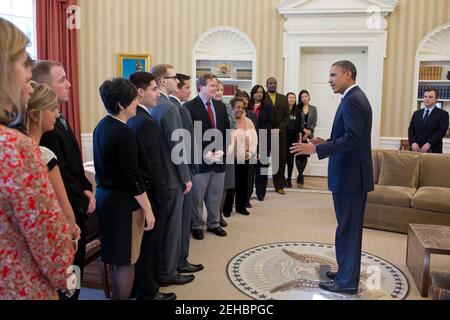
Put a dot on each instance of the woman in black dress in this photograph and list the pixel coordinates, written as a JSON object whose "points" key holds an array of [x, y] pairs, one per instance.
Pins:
{"points": [[265, 115], [308, 123], [292, 133], [122, 203]]}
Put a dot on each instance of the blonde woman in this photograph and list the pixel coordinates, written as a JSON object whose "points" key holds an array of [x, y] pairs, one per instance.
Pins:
{"points": [[41, 116], [35, 240]]}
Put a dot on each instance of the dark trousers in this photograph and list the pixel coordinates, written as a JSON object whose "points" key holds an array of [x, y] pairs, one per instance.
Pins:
{"points": [[149, 262], [250, 181], [229, 200], [239, 193], [279, 181], [350, 216], [291, 138], [261, 180], [301, 162]]}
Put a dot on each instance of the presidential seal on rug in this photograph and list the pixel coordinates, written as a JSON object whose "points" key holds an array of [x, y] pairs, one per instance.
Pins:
{"points": [[293, 271]]}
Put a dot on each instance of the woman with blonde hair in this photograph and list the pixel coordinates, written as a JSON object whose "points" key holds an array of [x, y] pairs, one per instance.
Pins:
{"points": [[40, 117], [35, 237]]}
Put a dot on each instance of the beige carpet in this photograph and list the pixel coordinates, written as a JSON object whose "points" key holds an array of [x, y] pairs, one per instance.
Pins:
{"points": [[294, 217]]}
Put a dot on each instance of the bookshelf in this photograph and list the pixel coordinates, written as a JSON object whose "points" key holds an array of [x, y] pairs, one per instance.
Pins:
{"points": [[228, 53], [433, 69], [233, 73]]}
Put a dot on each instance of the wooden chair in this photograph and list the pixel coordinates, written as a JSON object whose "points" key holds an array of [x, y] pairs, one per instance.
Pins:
{"points": [[93, 247], [93, 252]]}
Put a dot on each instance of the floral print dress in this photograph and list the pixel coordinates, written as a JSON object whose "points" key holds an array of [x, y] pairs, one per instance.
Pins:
{"points": [[35, 242]]}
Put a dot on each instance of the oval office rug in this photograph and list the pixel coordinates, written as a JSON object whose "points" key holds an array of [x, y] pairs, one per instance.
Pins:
{"points": [[293, 270]]}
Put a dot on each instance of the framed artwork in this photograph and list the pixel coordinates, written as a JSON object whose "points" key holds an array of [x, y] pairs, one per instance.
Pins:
{"points": [[131, 63]]}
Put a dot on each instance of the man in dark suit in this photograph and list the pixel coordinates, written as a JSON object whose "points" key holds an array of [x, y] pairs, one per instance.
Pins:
{"points": [[350, 175], [167, 117], [212, 116], [428, 126], [63, 143], [280, 104], [182, 95], [148, 265]]}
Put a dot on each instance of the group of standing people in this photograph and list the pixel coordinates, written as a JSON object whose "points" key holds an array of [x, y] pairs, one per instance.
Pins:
{"points": [[149, 201]]}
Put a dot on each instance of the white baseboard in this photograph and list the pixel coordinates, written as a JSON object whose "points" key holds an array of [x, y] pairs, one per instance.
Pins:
{"points": [[392, 143], [87, 147]]}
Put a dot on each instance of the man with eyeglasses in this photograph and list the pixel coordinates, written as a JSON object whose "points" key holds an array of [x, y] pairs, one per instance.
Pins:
{"points": [[179, 182]]}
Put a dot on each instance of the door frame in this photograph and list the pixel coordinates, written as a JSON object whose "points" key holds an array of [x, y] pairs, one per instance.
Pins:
{"points": [[376, 44], [315, 167]]}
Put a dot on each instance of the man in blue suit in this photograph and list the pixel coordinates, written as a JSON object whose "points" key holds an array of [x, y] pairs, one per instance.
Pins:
{"points": [[350, 175]]}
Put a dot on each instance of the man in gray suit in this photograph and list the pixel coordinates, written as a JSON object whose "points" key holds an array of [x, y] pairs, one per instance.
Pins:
{"points": [[179, 182], [212, 117], [182, 95]]}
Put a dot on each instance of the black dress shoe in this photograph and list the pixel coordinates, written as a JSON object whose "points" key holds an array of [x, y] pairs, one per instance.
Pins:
{"points": [[289, 184], [333, 287], [190, 268], [197, 234], [249, 205], [178, 280], [218, 231], [165, 296], [332, 275], [227, 214], [261, 199], [223, 223], [243, 211]]}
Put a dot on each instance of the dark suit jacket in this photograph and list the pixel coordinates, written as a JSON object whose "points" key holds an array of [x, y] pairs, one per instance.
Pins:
{"points": [[63, 143], [167, 116], [282, 113], [349, 149], [150, 138], [435, 130], [188, 125], [199, 114]]}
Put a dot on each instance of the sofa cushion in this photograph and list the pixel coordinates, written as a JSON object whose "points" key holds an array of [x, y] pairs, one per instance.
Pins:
{"points": [[391, 196], [435, 170], [400, 169], [432, 199]]}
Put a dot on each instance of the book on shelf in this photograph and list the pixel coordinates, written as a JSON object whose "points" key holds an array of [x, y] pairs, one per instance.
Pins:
{"points": [[444, 91], [430, 73], [244, 74], [202, 71], [229, 89]]}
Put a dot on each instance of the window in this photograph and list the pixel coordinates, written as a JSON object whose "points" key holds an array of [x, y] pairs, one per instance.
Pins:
{"points": [[22, 14]]}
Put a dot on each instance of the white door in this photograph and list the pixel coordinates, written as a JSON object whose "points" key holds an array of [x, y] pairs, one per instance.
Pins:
{"points": [[315, 69]]}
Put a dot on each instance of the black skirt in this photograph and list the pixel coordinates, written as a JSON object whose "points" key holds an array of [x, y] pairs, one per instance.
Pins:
{"points": [[121, 226]]}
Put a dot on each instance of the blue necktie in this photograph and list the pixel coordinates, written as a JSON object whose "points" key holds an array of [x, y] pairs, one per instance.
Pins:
{"points": [[425, 118]]}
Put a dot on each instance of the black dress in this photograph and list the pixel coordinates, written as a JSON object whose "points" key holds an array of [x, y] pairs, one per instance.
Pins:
{"points": [[304, 124], [120, 166]]}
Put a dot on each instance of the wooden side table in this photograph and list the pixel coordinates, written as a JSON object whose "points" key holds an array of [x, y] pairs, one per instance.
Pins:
{"points": [[424, 240]]}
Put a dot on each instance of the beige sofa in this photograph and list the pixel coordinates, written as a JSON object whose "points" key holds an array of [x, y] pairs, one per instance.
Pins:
{"points": [[410, 188]]}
